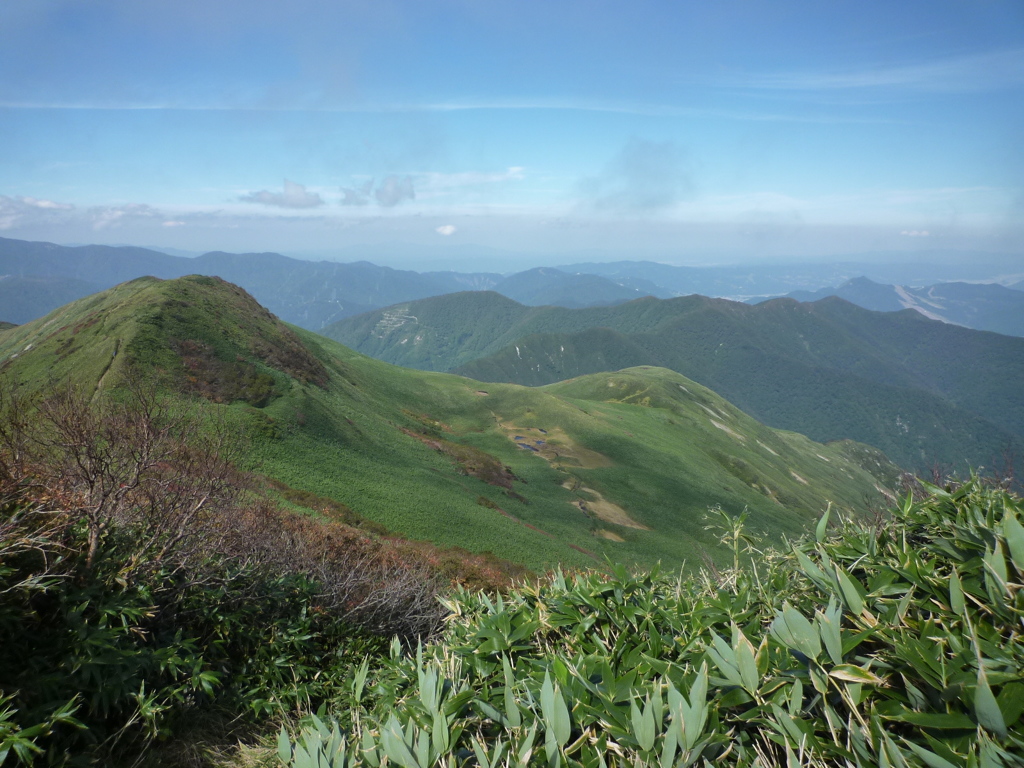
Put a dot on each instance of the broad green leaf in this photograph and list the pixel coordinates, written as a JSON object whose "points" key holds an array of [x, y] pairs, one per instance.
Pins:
{"points": [[995, 566], [441, 734], [724, 658], [894, 753], [525, 750], [669, 745]]}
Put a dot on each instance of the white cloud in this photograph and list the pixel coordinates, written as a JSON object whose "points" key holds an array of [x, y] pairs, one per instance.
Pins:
{"points": [[15, 211], [293, 196], [47, 204], [916, 233], [446, 230], [174, 223]]}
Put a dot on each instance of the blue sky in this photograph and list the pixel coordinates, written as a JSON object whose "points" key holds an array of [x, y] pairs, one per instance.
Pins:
{"points": [[692, 132]]}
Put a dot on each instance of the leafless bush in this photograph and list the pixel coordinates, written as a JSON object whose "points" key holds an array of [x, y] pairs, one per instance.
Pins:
{"points": [[361, 578], [129, 461], [139, 464]]}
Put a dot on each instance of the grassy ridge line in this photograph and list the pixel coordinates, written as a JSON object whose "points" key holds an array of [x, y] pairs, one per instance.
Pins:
{"points": [[322, 418]]}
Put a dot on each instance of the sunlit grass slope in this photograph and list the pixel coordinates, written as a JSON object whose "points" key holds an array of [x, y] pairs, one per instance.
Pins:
{"points": [[621, 465]]}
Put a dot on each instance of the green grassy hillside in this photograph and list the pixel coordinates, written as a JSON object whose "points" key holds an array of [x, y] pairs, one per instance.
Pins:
{"points": [[923, 391], [620, 465]]}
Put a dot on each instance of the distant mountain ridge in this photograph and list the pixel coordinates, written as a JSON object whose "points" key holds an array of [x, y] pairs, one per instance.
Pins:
{"points": [[982, 306], [306, 293], [760, 280], [43, 276], [921, 390]]}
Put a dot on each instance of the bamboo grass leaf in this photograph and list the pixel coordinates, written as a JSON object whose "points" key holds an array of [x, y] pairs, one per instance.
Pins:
{"points": [[854, 674], [813, 572], [793, 630], [930, 758], [822, 526], [555, 712], [831, 637], [393, 742], [956, 593], [669, 746], [643, 725], [986, 708], [850, 590], [1013, 532], [284, 746], [512, 712], [796, 697], [746, 663]]}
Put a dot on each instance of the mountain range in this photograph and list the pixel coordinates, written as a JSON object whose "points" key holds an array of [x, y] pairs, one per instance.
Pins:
{"points": [[36, 277], [923, 391], [983, 306], [621, 465]]}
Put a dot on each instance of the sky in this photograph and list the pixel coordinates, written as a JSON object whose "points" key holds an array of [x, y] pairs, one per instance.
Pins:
{"points": [[456, 131]]}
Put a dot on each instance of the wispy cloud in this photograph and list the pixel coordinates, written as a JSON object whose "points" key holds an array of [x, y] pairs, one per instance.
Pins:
{"points": [[644, 176], [641, 109], [990, 71], [474, 178], [357, 195], [391, 191], [394, 190], [293, 196], [105, 217]]}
